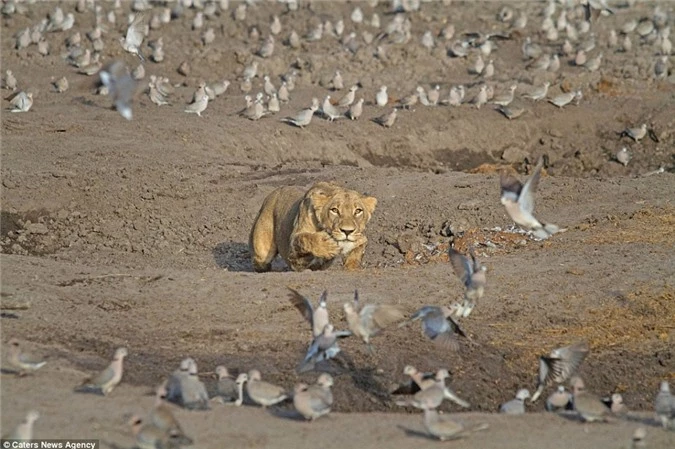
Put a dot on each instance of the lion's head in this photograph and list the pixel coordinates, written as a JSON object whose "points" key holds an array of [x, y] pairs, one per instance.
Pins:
{"points": [[340, 212]]}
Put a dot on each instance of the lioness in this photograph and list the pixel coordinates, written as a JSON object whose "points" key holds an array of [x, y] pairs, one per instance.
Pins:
{"points": [[311, 229]]}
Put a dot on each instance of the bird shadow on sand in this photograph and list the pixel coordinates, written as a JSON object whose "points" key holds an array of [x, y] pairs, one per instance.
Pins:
{"points": [[416, 433], [232, 256], [287, 414]]}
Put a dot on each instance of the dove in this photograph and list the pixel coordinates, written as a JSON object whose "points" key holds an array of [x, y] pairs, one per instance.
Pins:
{"points": [[664, 405], [559, 366], [438, 325], [367, 321], [580, 58], [315, 401], [328, 110], [382, 98], [489, 70], [515, 406], [428, 41], [506, 98], [530, 50], [283, 94], [337, 83], [355, 110], [250, 71], [138, 73], [198, 20], [162, 417], [216, 89], [256, 110], [623, 156], [23, 431], [263, 393], [422, 96], [108, 379], [626, 44], [239, 14], [60, 85], [23, 39], [456, 96], [445, 428], [538, 93], [199, 101], [317, 318], [459, 49], [268, 87], [387, 120], [432, 396], [564, 99], [267, 47], [349, 97], [323, 347], [21, 102], [193, 393], [173, 384], [418, 381], [240, 381], [155, 95], [275, 25], [558, 400], [121, 87], [511, 112], [302, 118], [481, 98], [540, 63], [594, 8], [209, 35], [472, 274], [638, 439], [43, 47], [593, 64], [293, 40], [409, 100], [587, 405], [226, 389], [134, 37], [273, 104], [357, 15], [518, 199], [148, 436], [478, 66], [23, 361], [661, 67], [636, 134], [616, 404], [433, 95]]}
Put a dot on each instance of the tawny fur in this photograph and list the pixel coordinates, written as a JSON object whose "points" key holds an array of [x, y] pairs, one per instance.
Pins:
{"points": [[310, 230]]}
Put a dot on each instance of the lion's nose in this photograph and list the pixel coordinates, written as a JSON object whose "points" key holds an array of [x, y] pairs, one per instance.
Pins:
{"points": [[347, 231]]}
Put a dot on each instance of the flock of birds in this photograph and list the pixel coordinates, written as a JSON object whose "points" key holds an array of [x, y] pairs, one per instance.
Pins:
{"points": [[566, 32], [425, 391], [569, 18]]}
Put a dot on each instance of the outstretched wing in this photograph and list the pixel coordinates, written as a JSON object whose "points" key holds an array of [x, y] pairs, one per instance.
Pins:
{"points": [[510, 185], [526, 198], [303, 305], [135, 34], [461, 266], [376, 317], [562, 363]]}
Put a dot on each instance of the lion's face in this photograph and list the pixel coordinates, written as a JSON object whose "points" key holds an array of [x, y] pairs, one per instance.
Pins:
{"points": [[342, 213]]}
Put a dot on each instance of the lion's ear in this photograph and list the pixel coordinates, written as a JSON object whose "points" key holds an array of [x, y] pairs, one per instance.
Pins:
{"points": [[369, 202], [319, 194]]}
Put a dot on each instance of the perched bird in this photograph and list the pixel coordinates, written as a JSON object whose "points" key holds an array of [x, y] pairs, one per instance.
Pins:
{"points": [[226, 388], [349, 97], [636, 134], [638, 439], [409, 100], [515, 406], [329, 111], [456, 96], [481, 98], [511, 112], [564, 99], [433, 396], [664, 405], [387, 120], [445, 428], [434, 95], [367, 321], [121, 87], [317, 318], [337, 83], [200, 100], [263, 393], [283, 93], [472, 274], [22, 361], [250, 70], [60, 85], [623, 156], [518, 199], [10, 80], [438, 325], [302, 118], [175, 381], [559, 366], [134, 37], [594, 8], [193, 394], [560, 399], [355, 110], [587, 405], [538, 93], [21, 102], [315, 401], [418, 381], [505, 99], [107, 379], [382, 98], [240, 381], [216, 89], [24, 431], [273, 104], [162, 417]]}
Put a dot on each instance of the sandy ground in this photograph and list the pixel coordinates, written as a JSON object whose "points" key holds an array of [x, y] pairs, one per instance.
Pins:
{"points": [[135, 233]]}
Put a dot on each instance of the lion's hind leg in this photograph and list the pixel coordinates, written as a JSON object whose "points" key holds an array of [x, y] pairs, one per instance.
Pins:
{"points": [[262, 245]]}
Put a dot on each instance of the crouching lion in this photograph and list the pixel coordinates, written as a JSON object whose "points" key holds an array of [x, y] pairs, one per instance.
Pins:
{"points": [[310, 229]]}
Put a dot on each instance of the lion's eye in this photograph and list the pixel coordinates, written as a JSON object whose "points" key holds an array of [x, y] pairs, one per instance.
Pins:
{"points": [[335, 210], [358, 211]]}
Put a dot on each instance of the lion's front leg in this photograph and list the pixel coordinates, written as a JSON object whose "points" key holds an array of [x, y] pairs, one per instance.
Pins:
{"points": [[315, 244], [352, 260]]}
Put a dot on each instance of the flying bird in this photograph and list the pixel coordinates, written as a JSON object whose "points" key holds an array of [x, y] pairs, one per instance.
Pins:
{"points": [[559, 365], [472, 274], [121, 87]]}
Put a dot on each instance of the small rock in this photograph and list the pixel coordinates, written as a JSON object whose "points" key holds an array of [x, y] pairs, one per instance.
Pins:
{"points": [[37, 228], [409, 242]]}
